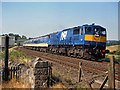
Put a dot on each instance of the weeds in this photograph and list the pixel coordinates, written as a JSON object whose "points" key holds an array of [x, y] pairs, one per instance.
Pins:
{"points": [[16, 56], [15, 84]]}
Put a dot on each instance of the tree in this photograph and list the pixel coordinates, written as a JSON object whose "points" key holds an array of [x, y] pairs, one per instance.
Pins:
{"points": [[119, 42], [24, 37], [17, 37], [11, 34]]}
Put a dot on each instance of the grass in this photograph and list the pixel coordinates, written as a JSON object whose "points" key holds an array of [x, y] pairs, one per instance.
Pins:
{"points": [[15, 84], [16, 56], [114, 51], [117, 58], [113, 48], [83, 85], [59, 83]]}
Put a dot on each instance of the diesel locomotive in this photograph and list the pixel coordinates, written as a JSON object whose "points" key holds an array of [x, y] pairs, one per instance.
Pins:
{"points": [[86, 41]]}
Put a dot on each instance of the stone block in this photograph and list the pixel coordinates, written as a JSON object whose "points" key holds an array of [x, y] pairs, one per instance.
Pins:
{"points": [[41, 71], [40, 64], [41, 77]]}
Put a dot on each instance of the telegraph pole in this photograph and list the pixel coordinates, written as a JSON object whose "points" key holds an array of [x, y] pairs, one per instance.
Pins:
{"points": [[6, 57]]}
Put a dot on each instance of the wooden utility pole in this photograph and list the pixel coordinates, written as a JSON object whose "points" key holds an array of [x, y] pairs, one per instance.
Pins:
{"points": [[111, 73], [6, 57], [50, 76], [79, 72]]}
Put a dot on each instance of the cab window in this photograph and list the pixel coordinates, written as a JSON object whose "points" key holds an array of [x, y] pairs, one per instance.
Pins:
{"points": [[76, 31], [103, 32], [97, 30], [88, 30]]}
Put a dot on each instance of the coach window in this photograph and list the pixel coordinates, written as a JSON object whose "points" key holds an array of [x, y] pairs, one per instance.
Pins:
{"points": [[76, 31], [88, 30]]}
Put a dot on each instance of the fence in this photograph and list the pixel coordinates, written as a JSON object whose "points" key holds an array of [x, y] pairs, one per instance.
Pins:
{"points": [[109, 76], [39, 73]]}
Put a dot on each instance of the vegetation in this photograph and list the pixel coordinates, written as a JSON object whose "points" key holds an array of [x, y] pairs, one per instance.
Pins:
{"points": [[18, 39], [17, 36], [114, 51], [112, 42], [16, 56], [13, 83]]}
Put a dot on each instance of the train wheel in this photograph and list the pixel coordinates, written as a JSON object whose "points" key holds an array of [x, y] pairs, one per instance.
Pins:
{"points": [[81, 54], [74, 55], [86, 56], [68, 53]]}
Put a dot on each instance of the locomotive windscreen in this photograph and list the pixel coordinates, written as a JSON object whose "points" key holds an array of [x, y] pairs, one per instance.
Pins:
{"points": [[103, 31]]}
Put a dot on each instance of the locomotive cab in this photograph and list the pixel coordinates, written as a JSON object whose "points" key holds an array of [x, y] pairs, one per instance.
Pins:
{"points": [[95, 40]]}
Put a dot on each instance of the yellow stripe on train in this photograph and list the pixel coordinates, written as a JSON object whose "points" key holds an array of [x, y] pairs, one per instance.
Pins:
{"points": [[95, 38], [40, 44]]}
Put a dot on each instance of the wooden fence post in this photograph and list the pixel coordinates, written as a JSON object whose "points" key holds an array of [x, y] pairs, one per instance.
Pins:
{"points": [[79, 72], [51, 75], [16, 72], [111, 73], [11, 72]]}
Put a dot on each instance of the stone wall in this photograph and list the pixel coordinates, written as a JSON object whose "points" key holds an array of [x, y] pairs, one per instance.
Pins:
{"points": [[36, 73]]}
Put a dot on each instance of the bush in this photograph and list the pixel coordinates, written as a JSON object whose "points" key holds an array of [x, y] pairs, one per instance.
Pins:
{"points": [[117, 53]]}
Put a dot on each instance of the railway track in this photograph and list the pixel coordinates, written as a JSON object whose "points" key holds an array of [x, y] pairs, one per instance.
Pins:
{"points": [[91, 66]]}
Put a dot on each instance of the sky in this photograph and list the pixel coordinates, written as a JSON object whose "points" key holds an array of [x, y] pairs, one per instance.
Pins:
{"points": [[34, 19]]}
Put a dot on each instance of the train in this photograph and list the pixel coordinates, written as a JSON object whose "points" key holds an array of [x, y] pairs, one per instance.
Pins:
{"points": [[86, 41]]}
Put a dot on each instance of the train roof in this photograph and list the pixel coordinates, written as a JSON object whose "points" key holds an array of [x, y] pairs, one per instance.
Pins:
{"points": [[66, 30]]}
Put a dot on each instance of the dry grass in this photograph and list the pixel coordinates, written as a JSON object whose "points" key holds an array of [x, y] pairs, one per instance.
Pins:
{"points": [[59, 85], [113, 48], [10, 49], [15, 84]]}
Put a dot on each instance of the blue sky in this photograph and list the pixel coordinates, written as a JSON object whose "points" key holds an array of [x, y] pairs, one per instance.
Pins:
{"points": [[34, 19]]}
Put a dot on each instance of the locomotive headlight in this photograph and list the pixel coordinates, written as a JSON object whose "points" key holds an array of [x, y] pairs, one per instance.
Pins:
{"points": [[97, 35]]}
